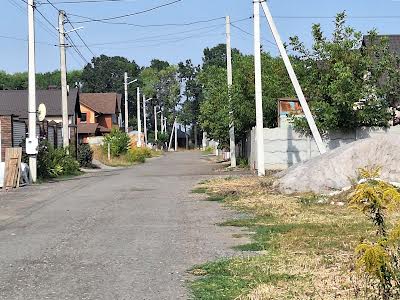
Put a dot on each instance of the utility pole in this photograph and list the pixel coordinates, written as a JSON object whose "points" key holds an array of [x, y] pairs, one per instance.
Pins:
{"points": [[258, 90], [176, 135], [63, 68], [32, 139], [293, 78], [155, 124], [126, 101], [144, 120], [232, 144], [139, 120]]}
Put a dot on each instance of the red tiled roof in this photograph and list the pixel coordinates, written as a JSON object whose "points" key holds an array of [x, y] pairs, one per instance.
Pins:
{"points": [[103, 103], [87, 128]]}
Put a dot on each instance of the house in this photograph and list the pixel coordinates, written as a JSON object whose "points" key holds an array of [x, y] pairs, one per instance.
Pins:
{"points": [[14, 116], [100, 112]]}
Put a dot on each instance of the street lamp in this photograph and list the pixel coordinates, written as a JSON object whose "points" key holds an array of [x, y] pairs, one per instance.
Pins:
{"points": [[126, 83]]}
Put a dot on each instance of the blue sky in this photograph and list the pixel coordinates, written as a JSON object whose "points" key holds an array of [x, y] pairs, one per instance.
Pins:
{"points": [[174, 43]]}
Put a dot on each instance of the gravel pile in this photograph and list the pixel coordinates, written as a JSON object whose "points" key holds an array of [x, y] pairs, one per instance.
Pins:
{"points": [[337, 169]]}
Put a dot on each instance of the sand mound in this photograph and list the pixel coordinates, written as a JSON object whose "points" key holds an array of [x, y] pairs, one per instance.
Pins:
{"points": [[338, 168]]}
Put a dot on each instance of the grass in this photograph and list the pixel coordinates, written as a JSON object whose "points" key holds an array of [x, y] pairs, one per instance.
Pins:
{"points": [[305, 246], [120, 161]]}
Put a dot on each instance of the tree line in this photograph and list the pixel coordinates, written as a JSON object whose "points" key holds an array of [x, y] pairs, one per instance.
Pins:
{"points": [[349, 82]]}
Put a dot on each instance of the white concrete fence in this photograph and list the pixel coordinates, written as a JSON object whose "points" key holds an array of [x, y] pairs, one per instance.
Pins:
{"points": [[283, 147]]}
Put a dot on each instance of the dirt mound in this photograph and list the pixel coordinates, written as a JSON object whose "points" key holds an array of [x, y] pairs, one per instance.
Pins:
{"points": [[338, 168]]}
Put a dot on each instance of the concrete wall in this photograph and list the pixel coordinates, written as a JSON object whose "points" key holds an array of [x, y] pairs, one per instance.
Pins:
{"points": [[283, 147]]}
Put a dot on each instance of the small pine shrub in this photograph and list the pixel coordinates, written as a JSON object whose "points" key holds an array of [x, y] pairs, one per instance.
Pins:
{"points": [[379, 259]]}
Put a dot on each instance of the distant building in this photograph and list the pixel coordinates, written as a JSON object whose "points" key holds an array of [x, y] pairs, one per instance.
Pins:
{"points": [[100, 112]]}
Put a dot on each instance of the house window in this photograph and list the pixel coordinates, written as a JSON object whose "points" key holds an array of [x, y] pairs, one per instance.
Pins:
{"points": [[84, 117]]}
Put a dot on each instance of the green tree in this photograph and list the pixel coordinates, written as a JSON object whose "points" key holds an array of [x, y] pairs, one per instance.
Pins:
{"points": [[337, 73], [216, 56], [106, 74], [193, 95]]}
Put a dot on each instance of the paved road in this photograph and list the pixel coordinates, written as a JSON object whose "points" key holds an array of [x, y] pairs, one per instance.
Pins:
{"points": [[127, 234]]}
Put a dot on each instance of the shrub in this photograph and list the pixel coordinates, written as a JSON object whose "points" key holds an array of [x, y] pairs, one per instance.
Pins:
{"points": [[119, 142], [139, 155], [53, 163], [85, 155], [379, 259]]}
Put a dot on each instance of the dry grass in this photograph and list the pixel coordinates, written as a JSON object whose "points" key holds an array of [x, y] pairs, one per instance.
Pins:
{"points": [[309, 244], [120, 161]]}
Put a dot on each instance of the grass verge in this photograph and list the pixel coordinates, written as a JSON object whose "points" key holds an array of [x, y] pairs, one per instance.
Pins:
{"points": [[125, 160], [305, 246]]}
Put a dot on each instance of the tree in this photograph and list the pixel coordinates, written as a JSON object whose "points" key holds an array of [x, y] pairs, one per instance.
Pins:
{"points": [[341, 80], [163, 86], [214, 109], [19, 81], [193, 93], [106, 74], [216, 56]]}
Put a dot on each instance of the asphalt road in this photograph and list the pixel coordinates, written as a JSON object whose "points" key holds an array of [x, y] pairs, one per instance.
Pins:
{"points": [[127, 234]]}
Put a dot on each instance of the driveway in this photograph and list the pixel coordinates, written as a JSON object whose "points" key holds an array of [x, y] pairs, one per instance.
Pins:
{"points": [[126, 234]]}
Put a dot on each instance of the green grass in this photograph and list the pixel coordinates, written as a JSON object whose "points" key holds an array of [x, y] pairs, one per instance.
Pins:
{"points": [[227, 279], [199, 190]]}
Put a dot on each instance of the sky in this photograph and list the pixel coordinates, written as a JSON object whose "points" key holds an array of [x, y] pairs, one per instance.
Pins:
{"points": [[172, 43]]}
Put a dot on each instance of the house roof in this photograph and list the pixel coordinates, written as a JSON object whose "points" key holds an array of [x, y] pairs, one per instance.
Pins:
{"points": [[393, 40], [87, 128], [15, 102], [102, 103]]}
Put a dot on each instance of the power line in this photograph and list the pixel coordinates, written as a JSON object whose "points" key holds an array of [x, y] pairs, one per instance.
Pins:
{"points": [[90, 1], [90, 19], [24, 40], [80, 37], [248, 33]]}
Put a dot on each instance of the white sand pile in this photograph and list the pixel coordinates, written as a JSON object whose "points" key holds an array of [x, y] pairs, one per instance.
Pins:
{"points": [[338, 168]]}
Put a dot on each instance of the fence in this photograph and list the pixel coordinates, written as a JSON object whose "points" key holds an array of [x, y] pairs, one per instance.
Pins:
{"points": [[283, 147]]}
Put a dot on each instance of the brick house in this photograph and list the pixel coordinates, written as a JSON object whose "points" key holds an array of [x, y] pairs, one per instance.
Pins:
{"points": [[100, 112]]}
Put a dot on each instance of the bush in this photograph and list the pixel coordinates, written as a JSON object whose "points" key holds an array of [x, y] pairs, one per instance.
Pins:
{"points": [[119, 142], [379, 259], [54, 163], [139, 155], [85, 155]]}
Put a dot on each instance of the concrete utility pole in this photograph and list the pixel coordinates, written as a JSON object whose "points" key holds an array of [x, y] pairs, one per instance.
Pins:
{"points": [[155, 124], [258, 90], [232, 144], [176, 135], [293, 78], [126, 102], [139, 120], [145, 117], [32, 139], [63, 68]]}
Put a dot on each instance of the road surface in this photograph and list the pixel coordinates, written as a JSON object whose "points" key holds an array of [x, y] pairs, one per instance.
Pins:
{"points": [[126, 234]]}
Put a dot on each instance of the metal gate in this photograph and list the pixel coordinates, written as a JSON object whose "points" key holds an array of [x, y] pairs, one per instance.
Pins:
{"points": [[18, 133]]}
